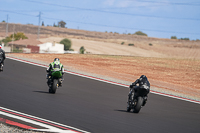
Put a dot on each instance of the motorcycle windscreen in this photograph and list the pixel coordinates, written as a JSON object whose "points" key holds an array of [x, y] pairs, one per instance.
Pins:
{"points": [[57, 74]]}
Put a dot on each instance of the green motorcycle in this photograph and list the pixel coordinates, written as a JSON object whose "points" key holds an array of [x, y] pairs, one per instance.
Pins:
{"points": [[55, 81]]}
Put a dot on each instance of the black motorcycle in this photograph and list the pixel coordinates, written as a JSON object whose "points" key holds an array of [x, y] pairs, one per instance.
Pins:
{"points": [[55, 81], [137, 99]]}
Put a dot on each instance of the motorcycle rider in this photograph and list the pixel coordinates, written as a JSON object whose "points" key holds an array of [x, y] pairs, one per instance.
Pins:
{"points": [[143, 83], [2, 58], [55, 66]]}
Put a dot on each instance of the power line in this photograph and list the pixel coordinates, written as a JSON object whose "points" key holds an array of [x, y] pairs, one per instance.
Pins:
{"points": [[7, 27], [17, 13], [38, 34], [111, 26], [168, 3], [95, 10], [121, 27]]}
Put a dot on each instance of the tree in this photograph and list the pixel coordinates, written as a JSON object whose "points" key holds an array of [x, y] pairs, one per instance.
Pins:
{"points": [[140, 33], [6, 40], [67, 43], [61, 24], [3, 21], [54, 25], [18, 36], [82, 50], [173, 37], [42, 23]]}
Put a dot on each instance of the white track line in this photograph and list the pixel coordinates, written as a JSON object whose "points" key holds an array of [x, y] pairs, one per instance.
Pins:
{"points": [[22, 116]]}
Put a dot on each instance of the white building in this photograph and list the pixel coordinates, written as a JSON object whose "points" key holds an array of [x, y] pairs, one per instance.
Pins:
{"points": [[6, 49], [51, 48]]}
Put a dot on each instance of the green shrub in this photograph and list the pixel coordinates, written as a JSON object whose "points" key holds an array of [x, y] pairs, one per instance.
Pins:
{"points": [[67, 43], [130, 44], [122, 43], [17, 51], [173, 37], [140, 33], [71, 49], [150, 44], [185, 38], [82, 50]]}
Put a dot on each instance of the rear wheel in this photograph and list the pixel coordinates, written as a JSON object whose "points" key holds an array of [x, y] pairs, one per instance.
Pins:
{"points": [[138, 105]]}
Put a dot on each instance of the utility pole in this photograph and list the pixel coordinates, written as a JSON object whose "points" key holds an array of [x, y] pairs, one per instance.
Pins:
{"points": [[38, 34], [13, 37], [7, 27]]}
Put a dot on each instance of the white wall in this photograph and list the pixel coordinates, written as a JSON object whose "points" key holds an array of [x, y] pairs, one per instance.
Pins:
{"points": [[51, 48], [6, 49]]}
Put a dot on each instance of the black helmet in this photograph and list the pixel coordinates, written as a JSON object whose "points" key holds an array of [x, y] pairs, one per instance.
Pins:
{"points": [[56, 59], [143, 77]]}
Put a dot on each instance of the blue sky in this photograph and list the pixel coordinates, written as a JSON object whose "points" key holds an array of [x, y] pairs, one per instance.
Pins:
{"points": [[156, 18]]}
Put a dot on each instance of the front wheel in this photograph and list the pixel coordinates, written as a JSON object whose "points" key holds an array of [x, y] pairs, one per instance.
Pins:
{"points": [[138, 105], [1, 67], [54, 86]]}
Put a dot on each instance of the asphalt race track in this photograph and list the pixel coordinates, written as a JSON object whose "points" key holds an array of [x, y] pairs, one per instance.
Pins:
{"points": [[92, 105]]}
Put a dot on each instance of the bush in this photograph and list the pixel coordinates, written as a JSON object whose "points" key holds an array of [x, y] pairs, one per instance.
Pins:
{"points": [[122, 43], [71, 49], [130, 44], [150, 44], [67, 43], [140, 33], [82, 50], [173, 37], [185, 39], [17, 51]]}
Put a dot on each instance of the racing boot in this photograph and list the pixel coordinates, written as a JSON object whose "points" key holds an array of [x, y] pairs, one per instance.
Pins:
{"points": [[49, 81], [145, 101], [1, 67], [60, 82]]}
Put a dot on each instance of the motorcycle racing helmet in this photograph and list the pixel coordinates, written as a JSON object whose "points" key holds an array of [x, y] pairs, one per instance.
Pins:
{"points": [[57, 60], [143, 77], [0, 45]]}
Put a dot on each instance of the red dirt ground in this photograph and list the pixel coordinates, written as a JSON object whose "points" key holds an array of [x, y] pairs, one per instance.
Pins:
{"points": [[179, 76]]}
